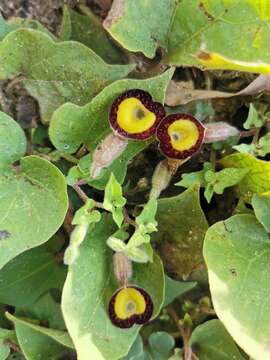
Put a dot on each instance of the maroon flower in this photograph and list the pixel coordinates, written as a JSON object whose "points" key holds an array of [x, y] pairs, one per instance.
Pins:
{"points": [[180, 136], [135, 115], [130, 305]]}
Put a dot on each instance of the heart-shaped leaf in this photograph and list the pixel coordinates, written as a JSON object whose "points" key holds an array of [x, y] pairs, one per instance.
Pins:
{"points": [[54, 72], [181, 229]]}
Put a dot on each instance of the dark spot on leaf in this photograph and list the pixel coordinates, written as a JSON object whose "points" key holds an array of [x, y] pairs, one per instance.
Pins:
{"points": [[4, 234], [203, 55], [233, 272], [206, 13]]}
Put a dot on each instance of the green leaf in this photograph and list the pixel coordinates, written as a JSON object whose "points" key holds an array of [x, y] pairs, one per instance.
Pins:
{"points": [[33, 205], [137, 254], [174, 288], [195, 177], [141, 26], [89, 31], [261, 206], [257, 180], [86, 215], [224, 35], [161, 345], [90, 284], [136, 352], [18, 23], [211, 341], [54, 73], [30, 275], [12, 140], [237, 253], [72, 125], [146, 219], [38, 342], [253, 119], [262, 148], [182, 226], [116, 244], [214, 182], [45, 310], [219, 181], [114, 201]]}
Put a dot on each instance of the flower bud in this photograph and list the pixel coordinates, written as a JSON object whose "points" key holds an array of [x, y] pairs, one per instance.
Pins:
{"points": [[122, 268], [219, 131], [109, 150]]}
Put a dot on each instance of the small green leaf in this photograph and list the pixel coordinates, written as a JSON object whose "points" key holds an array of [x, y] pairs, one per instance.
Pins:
{"points": [[174, 288], [147, 29], [161, 345], [195, 177], [257, 180], [254, 119], [116, 244], [261, 206], [137, 254], [54, 73], [211, 341], [146, 219], [213, 182], [33, 206], [89, 286], [114, 200], [237, 253], [12, 140], [224, 178], [86, 215], [182, 226], [263, 146], [29, 275]]}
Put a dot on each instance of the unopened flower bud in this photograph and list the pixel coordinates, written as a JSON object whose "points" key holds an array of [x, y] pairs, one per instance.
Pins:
{"points": [[219, 131], [122, 268], [109, 150]]}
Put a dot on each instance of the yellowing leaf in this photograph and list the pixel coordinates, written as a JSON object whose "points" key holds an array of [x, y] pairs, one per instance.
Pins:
{"points": [[257, 180], [227, 34]]}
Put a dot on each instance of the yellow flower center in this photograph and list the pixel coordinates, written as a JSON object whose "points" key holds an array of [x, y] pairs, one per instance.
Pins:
{"points": [[128, 302], [183, 134], [133, 117]]}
